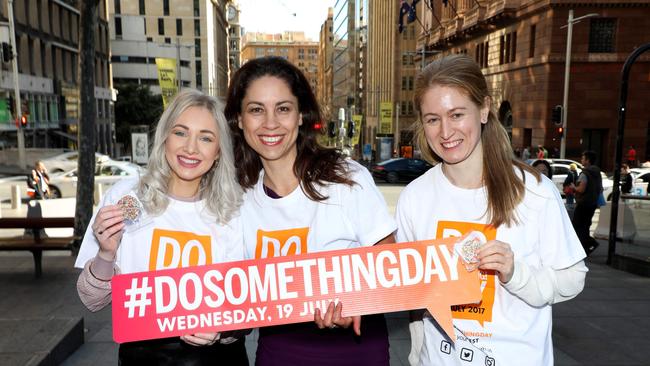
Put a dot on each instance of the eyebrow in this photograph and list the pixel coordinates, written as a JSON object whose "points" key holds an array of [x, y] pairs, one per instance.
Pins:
{"points": [[187, 128], [278, 103], [450, 111]]}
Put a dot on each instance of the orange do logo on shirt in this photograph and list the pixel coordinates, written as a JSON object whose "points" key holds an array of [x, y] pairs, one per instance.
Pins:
{"points": [[481, 312], [176, 249], [279, 243]]}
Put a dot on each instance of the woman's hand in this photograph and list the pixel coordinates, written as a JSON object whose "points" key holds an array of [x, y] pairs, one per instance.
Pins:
{"points": [[107, 228], [333, 319], [497, 255], [201, 339]]}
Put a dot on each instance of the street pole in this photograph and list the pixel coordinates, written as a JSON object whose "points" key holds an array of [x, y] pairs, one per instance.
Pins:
{"points": [[19, 128], [565, 99], [397, 134], [178, 64], [567, 69]]}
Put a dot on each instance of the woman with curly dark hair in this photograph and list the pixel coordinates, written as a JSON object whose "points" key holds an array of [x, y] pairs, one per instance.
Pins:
{"points": [[302, 197]]}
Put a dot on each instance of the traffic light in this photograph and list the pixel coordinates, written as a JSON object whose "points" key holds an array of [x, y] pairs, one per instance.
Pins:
{"points": [[318, 126], [12, 105], [350, 129], [559, 132], [7, 52], [556, 115], [23, 121], [331, 129]]}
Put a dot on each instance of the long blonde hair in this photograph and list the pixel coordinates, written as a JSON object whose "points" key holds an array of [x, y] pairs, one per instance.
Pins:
{"points": [[218, 186], [505, 189]]}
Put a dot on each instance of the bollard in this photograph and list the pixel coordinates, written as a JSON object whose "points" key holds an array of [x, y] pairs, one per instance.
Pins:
{"points": [[15, 197], [99, 193]]}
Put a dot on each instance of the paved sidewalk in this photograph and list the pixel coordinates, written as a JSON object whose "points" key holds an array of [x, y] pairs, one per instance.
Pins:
{"points": [[608, 324]]}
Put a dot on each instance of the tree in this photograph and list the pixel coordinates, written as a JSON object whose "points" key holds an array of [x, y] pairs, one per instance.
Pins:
{"points": [[88, 112], [135, 105]]}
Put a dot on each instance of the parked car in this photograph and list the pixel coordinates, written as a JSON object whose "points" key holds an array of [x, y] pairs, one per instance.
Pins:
{"points": [[399, 169], [68, 161], [107, 173]]}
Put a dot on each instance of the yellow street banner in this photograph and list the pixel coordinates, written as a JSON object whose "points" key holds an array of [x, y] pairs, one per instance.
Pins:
{"points": [[356, 118], [386, 117], [167, 79]]}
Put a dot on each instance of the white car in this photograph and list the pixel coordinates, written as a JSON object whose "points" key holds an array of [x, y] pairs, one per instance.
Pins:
{"points": [[641, 180], [65, 185], [68, 161]]}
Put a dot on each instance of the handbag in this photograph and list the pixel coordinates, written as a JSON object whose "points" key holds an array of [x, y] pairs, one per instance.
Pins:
{"points": [[569, 190], [601, 200]]}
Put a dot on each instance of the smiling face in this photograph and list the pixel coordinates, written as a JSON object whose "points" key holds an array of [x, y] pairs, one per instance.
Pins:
{"points": [[452, 124], [191, 148], [270, 120]]}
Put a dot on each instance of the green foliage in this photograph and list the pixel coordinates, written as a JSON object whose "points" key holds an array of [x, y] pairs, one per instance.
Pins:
{"points": [[135, 105]]}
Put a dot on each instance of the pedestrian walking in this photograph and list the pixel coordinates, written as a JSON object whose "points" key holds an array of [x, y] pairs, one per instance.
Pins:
{"points": [[39, 181], [525, 155], [588, 190], [531, 257], [189, 194]]}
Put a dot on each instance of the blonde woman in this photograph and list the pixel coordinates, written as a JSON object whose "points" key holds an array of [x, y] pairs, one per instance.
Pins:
{"points": [[531, 258], [190, 200]]}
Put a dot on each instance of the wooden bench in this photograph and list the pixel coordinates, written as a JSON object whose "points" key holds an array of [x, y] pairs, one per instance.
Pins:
{"points": [[37, 242]]}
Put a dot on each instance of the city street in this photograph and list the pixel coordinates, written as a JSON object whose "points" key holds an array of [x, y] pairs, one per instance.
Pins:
{"points": [[608, 324]]}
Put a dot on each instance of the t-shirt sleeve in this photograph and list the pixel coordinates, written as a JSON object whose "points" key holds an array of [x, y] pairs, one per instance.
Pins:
{"points": [[405, 232], [559, 245], [366, 208], [583, 178]]}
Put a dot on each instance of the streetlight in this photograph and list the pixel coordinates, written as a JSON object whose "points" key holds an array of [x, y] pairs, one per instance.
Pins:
{"points": [[567, 66]]}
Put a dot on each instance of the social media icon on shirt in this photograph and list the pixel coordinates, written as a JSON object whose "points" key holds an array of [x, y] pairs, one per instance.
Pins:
{"points": [[489, 361], [445, 347], [466, 354]]}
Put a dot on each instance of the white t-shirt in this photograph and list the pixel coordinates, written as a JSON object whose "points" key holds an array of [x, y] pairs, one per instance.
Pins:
{"points": [[184, 235], [502, 329], [352, 216]]}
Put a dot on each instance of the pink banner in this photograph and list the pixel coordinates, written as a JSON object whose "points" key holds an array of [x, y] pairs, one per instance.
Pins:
{"points": [[282, 290]]}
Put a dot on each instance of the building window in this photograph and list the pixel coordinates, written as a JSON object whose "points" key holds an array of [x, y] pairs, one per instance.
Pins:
{"points": [[179, 27], [197, 8], [481, 55], [161, 26], [602, 35], [118, 28], [197, 28], [403, 82], [118, 6], [168, 40], [507, 48], [531, 43], [199, 82], [141, 6], [197, 47], [165, 7]]}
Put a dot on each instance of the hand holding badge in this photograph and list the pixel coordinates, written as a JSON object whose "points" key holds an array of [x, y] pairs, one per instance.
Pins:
{"points": [[467, 248]]}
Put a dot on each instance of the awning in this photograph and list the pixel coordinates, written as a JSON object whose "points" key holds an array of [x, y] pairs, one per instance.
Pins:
{"points": [[66, 135]]}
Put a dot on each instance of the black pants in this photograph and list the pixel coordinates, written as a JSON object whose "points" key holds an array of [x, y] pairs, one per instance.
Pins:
{"points": [[173, 351], [582, 216]]}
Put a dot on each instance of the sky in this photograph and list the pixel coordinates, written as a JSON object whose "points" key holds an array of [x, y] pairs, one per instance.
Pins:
{"points": [[276, 16]]}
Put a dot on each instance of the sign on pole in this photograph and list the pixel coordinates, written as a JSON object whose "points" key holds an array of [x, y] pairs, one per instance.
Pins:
{"points": [[386, 118]]}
